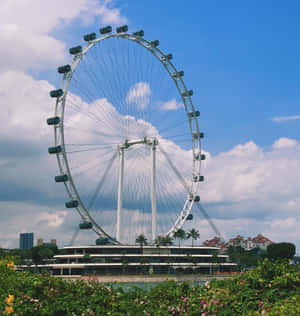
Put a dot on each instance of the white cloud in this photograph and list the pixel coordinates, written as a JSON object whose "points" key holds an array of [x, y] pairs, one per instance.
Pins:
{"points": [[139, 94], [280, 119], [26, 26], [284, 142], [245, 183], [171, 105]]}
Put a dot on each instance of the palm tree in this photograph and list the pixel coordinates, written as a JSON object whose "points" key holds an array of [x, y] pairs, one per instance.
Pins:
{"points": [[167, 241], [141, 240], [194, 234], [180, 235]]}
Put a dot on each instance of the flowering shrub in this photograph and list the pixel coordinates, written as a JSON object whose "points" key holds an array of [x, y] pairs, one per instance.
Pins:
{"points": [[270, 289]]}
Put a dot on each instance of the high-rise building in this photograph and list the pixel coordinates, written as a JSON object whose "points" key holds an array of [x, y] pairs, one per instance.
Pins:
{"points": [[40, 242], [26, 240]]}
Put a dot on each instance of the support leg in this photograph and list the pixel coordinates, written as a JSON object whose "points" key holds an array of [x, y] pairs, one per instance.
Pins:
{"points": [[153, 191], [120, 192]]}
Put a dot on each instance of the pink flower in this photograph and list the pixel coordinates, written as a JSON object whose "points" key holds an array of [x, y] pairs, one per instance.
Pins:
{"points": [[172, 309], [214, 302], [21, 302], [35, 308], [204, 306], [204, 314], [221, 304], [261, 303], [142, 302], [187, 304], [203, 302], [109, 289]]}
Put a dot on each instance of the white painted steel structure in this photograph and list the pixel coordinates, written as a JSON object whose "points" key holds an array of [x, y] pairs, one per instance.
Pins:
{"points": [[62, 157]]}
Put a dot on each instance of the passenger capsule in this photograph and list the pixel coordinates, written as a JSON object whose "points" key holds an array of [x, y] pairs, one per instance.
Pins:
{"points": [[166, 57], [189, 217], [64, 69], [75, 50], [198, 178], [196, 198], [154, 43], [55, 150], [194, 114], [56, 93], [187, 93], [72, 204], [122, 29], [102, 241], [61, 178], [85, 225], [53, 120], [178, 74], [90, 37], [198, 135], [139, 33], [106, 29], [202, 157]]}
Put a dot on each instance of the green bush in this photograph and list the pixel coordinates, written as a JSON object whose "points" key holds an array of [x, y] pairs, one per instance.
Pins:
{"points": [[270, 289]]}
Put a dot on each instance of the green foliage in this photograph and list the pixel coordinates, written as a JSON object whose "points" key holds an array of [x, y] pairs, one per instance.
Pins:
{"points": [[41, 253], [281, 250], [180, 234], [163, 241], [141, 240], [193, 234], [270, 289]]}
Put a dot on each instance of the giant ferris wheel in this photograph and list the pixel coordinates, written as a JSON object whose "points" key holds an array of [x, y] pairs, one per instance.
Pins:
{"points": [[126, 137]]}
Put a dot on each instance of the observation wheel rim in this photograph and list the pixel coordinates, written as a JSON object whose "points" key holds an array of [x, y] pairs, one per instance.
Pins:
{"points": [[60, 140]]}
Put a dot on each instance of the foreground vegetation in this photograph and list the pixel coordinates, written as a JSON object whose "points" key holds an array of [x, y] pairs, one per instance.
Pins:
{"points": [[270, 289]]}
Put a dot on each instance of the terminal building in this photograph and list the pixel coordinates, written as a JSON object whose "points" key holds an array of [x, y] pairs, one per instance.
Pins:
{"points": [[134, 259]]}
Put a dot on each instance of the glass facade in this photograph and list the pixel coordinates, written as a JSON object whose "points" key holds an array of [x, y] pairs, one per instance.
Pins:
{"points": [[26, 240]]}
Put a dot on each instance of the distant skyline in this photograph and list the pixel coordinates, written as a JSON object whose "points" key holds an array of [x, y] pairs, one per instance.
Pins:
{"points": [[241, 58]]}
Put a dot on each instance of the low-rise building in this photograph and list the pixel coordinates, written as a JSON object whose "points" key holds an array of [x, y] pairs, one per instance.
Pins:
{"points": [[133, 259], [259, 241]]}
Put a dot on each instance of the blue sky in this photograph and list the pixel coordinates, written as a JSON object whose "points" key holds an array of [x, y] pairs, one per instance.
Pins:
{"points": [[241, 58]]}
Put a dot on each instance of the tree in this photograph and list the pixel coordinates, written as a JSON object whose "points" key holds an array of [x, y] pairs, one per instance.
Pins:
{"points": [[282, 250], [141, 240], [180, 235], [194, 234], [41, 253]]}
